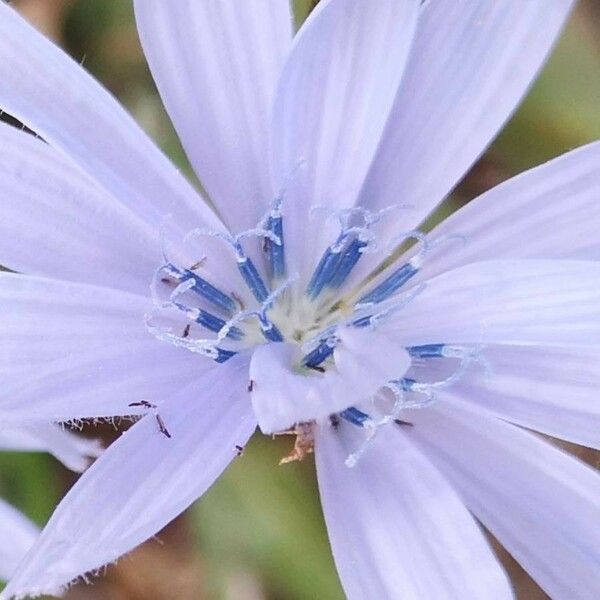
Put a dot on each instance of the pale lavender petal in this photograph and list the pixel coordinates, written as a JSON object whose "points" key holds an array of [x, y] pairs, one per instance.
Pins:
{"points": [[73, 450], [552, 390], [56, 222], [332, 103], [523, 302], [98, 384], [397, 528], [365, 360], [471, 63], [216, 65], [42, 319], [539, 502], [142, 482], [551, 211], [70, 350], [17, 534], [52, 94]]}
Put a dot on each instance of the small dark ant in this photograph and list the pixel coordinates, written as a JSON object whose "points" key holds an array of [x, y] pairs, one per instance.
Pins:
{"points": [[251, 385], [186, 331], [403, 423], [161, 424], [335, 421], [162, 427], [143, 403], [266, 245], [239, 450]]}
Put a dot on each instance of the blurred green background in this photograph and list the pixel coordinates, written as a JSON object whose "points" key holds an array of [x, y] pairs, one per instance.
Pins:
{"points": [[258, 534]]}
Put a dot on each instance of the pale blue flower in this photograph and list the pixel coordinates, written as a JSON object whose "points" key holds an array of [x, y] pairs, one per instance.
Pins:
{"points": [[320, 155]]}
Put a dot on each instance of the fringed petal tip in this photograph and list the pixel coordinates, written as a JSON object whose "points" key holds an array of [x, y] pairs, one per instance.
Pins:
{"points": [[56, 590], [53, 590], [37, 592]]}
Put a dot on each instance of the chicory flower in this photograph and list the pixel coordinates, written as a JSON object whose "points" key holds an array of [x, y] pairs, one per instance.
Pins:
{"points": [[321, 153]]}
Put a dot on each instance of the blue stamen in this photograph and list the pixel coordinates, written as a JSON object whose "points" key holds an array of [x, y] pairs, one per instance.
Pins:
{"points": [[389, 286], [355, 416], [363, 321], [320, 354], [336, 264], [223, 355], [270, 330], [325, 270], [347, 261], [203, 288], [427, 351], [251, 275], [215, 324], [340, 258], [245, 265], [274, 250]]}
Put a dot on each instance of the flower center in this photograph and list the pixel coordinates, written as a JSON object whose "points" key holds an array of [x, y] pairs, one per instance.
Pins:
{"points": [[274, 306]]}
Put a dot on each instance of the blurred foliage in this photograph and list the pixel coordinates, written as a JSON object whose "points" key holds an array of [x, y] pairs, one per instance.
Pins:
{"points": [[263, 516], [28, 480], [259, 531], [563, 109]]}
